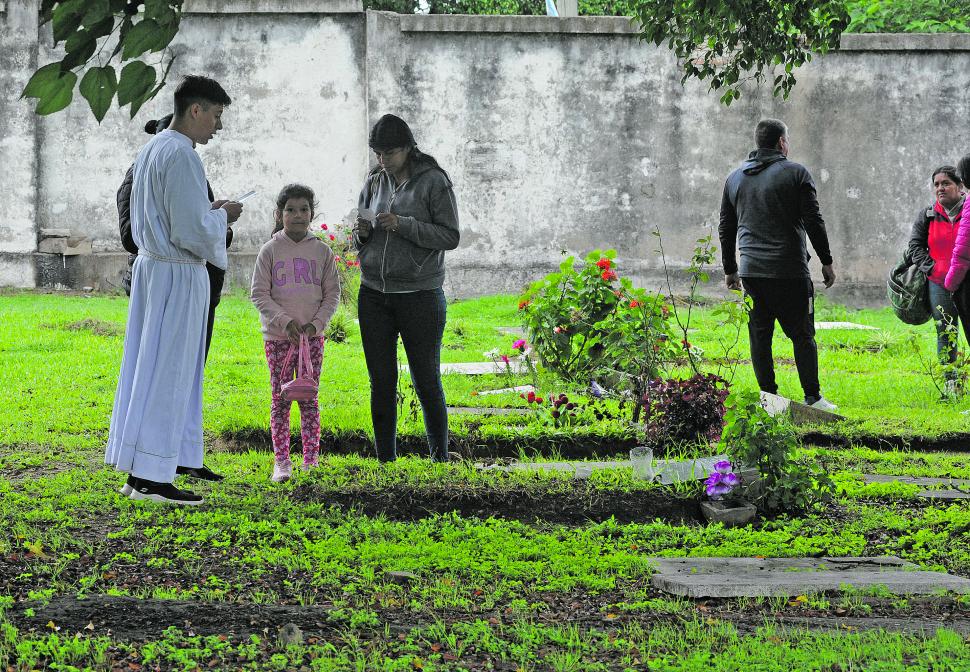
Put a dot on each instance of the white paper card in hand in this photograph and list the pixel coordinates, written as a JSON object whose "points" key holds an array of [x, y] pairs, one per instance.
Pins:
{"points": [[245, 197]]}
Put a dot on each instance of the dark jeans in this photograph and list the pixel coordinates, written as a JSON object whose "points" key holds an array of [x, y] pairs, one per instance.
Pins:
{"points": [[947, 310], [791, 301], [217, 277], [419, 318]]}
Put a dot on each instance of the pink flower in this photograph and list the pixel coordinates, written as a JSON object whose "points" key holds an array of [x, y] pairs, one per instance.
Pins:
{"points": [[324, 227], [557, 330], [505, 358], [519, 344]]}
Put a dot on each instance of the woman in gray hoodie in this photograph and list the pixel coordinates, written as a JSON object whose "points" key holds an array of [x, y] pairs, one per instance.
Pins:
{"points": [[408, 218]]}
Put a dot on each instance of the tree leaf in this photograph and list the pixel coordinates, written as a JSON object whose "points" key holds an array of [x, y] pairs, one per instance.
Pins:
{"points": [[98, 87], [66, 19], [136, 81], [83, 51], [161, 12], [142, 37], [52, 86], [97, 11]]}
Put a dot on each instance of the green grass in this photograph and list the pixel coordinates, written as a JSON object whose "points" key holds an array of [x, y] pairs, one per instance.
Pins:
{"points": [[488, 591], [61, 356]]}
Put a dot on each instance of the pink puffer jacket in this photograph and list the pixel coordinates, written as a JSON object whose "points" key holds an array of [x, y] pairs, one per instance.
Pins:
{"points": [[960, 261]]}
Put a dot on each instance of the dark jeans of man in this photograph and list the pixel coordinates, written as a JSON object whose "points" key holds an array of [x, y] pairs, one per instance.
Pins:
{"points": [[791, 301], [419, 318]]}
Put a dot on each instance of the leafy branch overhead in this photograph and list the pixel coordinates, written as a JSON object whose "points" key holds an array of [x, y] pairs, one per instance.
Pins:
{"points": [[96, 34], [728, 43]]}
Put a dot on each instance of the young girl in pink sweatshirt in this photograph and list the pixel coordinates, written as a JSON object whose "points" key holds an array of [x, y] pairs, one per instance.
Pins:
{"points": [[296, 290]]}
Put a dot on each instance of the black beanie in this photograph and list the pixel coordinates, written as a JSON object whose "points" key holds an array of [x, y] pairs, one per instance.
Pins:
{"points": [[390, 132], [158, 125]]}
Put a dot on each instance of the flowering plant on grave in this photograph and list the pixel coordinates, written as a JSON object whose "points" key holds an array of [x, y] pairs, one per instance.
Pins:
{"points": [[722, 481], [339, 238], [520, 351]]}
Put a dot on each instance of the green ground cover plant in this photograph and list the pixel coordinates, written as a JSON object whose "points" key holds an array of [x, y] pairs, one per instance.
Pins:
{"points": [[61, 379], [421, 566]]}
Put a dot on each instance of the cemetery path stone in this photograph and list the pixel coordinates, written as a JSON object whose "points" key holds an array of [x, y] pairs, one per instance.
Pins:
{"points": [[766, 577]]}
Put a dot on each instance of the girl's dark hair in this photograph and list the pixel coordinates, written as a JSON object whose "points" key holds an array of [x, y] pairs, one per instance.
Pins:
{"points": [[294, 190], [949, 171], [391, 132], [963, 168], [158, 125]]}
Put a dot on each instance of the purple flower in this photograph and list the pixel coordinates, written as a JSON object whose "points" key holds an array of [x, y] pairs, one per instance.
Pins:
{"points": [[719, 484], [596, 390], [722, 467]]}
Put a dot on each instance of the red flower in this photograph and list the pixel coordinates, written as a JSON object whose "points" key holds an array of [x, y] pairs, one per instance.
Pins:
{"points": [[338, 259], [608, 275], [604, 263], [523, 303], [531, 397], [634, 303], [333, 237], [538, 400], [557, 330], [323, 226]]}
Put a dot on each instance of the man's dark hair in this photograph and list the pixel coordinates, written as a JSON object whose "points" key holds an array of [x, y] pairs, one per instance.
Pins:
{"points": [[768, 132], [198, 89]]}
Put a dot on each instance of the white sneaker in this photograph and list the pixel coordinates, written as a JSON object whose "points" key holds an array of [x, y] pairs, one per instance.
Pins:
{"points": [[282, 470], [824, 404]]}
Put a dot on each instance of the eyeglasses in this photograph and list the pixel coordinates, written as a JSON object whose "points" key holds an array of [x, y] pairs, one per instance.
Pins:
{"points": [[388, 152]]}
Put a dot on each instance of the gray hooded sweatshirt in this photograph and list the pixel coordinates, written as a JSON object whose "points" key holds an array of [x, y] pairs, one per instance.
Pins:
{"points": [[413, 257]]}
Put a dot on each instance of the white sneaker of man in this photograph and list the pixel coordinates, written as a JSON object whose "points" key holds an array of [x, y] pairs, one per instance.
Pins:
{"points": [[824, 404]]}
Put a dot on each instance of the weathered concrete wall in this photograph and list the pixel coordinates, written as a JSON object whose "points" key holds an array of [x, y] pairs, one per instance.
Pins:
{"points": [[560, 134], [18, 160], [573, 135], [296, 80]]}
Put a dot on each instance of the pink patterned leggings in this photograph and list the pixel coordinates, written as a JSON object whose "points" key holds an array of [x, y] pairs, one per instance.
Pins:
{"points": [[279, 414]]}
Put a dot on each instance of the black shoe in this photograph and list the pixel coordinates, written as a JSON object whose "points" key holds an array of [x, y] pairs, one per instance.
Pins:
{"points": [[129, 485], [202, 473], [165, 493]]}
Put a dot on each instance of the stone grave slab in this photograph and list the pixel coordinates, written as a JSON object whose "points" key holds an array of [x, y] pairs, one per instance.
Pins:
{"points": [[518, 389], [798, 412], [765, 577], [479, 368], [960, 487], [486, 410], [943, 494], [511, 331], [669, 471], [916, 480], [579, 470], [823, 326]]}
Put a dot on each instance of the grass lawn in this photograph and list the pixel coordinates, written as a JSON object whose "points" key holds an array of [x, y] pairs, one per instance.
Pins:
{"points": [[416, 566]]}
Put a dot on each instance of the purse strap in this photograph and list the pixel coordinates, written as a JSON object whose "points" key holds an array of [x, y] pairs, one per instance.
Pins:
{"points": [[304, 367]]}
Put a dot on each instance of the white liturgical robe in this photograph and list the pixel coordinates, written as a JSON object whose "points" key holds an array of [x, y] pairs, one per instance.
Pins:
{"points": [[156, 423]]}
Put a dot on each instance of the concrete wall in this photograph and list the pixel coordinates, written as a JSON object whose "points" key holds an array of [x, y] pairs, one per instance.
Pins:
{"points": [[560, 134]]}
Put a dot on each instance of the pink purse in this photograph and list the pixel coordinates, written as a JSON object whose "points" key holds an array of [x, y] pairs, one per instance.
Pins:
{"points": [[303, 387]]}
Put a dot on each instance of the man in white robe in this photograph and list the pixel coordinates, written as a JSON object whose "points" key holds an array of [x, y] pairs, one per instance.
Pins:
{"points": [[156, 423]]}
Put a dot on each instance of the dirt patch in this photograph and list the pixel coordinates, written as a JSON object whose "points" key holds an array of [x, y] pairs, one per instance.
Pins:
{"points": [[470, 447], [96, 327], [955, 442], [576, 505], [132, 619]]}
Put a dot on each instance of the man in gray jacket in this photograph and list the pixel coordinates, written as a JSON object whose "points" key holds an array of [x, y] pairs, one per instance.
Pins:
{"points": [[768, 206]]}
